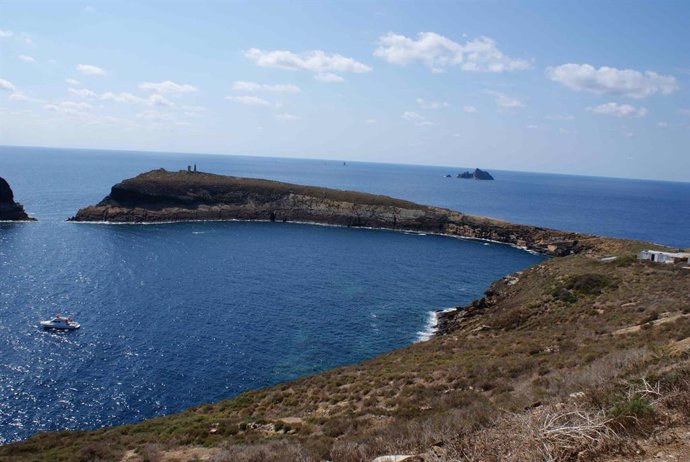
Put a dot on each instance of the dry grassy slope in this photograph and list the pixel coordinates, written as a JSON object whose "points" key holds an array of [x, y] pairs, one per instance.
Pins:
{"points": [[185, 187], [556, 334]]}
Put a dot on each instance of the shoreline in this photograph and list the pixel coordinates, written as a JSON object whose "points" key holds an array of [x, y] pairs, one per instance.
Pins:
{"points": [[315, 223]]}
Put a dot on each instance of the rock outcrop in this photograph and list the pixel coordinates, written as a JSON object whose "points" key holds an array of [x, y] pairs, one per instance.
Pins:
{"points": [[9, 209], [163, 196], [477, 175]]}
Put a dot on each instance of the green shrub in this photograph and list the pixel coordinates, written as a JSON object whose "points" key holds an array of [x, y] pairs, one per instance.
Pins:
{"points": [[633, 411], [589, 283]]}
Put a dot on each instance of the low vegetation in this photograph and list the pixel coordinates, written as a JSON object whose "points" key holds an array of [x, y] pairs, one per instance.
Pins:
{"points": [[576, 358]]}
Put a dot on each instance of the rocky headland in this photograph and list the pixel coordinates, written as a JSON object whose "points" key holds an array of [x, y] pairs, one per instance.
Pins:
{"points": [[9, 209], [163, 196]]}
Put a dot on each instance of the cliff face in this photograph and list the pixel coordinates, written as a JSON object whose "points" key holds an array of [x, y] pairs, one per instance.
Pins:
{"points": [[9, 209], [160, 196]]}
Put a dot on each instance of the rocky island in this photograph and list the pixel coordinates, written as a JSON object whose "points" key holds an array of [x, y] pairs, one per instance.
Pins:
{"points": [[9, 209], [476, 175], [164, 196]]}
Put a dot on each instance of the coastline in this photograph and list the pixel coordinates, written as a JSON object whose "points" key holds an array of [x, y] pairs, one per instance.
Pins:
{"points": [[473, 329], [509, 349], [314, 223]]}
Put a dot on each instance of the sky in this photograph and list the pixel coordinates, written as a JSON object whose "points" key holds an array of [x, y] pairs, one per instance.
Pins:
{"points": [[576, 87]]}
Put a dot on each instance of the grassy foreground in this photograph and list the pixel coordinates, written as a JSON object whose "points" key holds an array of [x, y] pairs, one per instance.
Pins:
{"points": [[577, 358]]}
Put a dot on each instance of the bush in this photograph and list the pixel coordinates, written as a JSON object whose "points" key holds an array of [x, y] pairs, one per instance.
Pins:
{"points": [[589, 283], [633, 411], [563, 294]]}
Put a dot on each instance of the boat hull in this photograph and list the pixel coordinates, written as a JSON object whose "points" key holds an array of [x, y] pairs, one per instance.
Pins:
{"points": [[51, 326]]}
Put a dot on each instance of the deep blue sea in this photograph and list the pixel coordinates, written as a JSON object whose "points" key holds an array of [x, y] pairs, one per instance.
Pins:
{"points": [[176, 315]]}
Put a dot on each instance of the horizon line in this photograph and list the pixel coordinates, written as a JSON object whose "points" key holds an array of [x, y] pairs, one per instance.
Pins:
{"points": [[292, 157]]}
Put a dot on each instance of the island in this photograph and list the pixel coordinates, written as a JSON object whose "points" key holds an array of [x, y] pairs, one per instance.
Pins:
{"points": [[476, 175], [582, 357], [9, 209], [164, 196]]}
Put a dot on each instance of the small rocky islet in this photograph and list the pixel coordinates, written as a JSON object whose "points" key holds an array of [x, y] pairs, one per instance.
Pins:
{"points": [[10, 210], [478, 174]]}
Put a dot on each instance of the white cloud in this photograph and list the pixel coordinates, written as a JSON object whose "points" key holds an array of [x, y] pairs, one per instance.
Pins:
{"points": [[21, 96], [90, 69], [83, 92], [662, 124], [89, 9], [240, 85], [370, 121], [26, 58], [409, 115], [249, 100], [69, 108], [418, 119], [612, 81], [168, 87], [431, 104], [328, 77], [128, 98], [7, 85], [72, 81], [469, 109], [685, 112], [288, 117], [6, 33], [439, 53], [122, 98], [158, 100], [504, 101], [323, 64], [618, 110]]}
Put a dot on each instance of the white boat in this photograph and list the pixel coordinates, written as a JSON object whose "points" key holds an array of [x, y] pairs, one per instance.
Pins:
{"points": [[60, 323]]}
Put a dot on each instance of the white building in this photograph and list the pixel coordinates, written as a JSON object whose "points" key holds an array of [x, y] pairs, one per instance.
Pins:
{"points": [[664, 257]]}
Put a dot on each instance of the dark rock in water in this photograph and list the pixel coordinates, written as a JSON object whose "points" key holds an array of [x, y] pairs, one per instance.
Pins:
{"points": [[9, 209], [477, 175]]}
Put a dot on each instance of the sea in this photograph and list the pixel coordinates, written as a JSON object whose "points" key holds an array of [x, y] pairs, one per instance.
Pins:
{"points": [[177, 315]]}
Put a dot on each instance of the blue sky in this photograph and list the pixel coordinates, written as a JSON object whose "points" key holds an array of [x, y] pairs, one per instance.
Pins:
{"points": [[593, 88]]}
